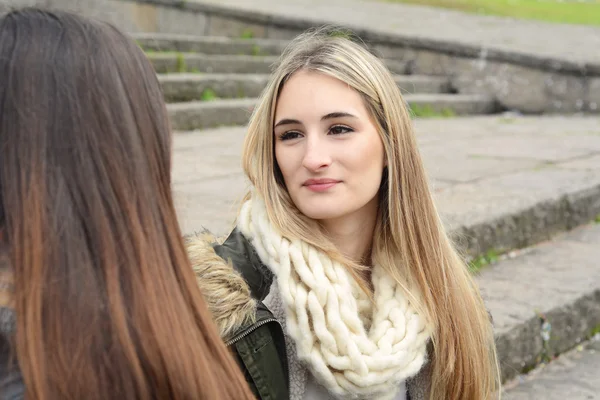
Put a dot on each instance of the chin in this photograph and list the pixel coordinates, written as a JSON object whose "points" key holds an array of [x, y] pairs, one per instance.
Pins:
{"points": [[322, 213]]}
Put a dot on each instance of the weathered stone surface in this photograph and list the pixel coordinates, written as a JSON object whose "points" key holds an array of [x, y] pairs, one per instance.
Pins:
{"points": [[209, 114], [574, 375], [6, 5], [207, 178], [412, 84], [94, 8], [585, 163], [175, 20], [545, 45], [219, 64], [134, 17], [525, 77], [594, 95], [516, 87], [462, 104], [224, 26], [558, 282], [428, 62], [209, 44], [390, 51], [188, 87], [275, 32], [521, 208]]}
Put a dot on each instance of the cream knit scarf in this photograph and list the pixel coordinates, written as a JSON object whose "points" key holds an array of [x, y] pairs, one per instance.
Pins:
{"points": [[354, 347]]}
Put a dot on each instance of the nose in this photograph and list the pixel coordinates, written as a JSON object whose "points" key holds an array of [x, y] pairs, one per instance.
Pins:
{"points": [[316, 155]]}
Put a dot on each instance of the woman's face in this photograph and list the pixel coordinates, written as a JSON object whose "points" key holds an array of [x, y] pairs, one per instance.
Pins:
{"points": [[327, 147]]}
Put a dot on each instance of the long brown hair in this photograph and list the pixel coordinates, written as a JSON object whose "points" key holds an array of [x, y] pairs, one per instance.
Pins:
{"points": [[106, 301]]}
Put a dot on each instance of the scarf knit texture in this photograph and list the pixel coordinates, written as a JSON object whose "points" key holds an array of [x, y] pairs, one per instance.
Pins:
{"points": [[357, 348]]}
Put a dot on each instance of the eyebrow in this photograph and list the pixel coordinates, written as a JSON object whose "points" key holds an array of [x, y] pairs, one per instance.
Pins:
{"points": [[337, 114]]}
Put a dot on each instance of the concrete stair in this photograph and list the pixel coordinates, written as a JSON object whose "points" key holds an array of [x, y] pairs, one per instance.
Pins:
{"points": [[190, 86], [226, 112], [212, 63], [215, 81], [551, 289], [574, 376], [209, 44], [174, 62]]}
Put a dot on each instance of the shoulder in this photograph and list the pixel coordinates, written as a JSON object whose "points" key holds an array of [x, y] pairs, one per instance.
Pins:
{"points": [[238, 250], [231, 278], [234, 283]]}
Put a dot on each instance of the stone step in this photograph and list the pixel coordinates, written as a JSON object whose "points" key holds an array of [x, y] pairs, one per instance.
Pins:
{"points": [[453, 104], [173, 62], [546, 300], [210, 114], [209, 63], [156, 42], [188, 87], [230, 112], [574, 376]]}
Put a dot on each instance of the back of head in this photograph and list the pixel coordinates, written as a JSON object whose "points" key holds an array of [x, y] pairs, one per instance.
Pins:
{"points": [[106, 301]]}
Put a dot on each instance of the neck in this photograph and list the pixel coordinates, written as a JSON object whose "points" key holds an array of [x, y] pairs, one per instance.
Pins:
{"points": [[353, 234]]}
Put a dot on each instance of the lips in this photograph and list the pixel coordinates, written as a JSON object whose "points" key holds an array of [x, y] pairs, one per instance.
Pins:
{"points": [[320, 185]]}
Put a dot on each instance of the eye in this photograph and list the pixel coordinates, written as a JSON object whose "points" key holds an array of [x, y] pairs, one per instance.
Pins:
{"points": [[340, 129], [289, 135]]}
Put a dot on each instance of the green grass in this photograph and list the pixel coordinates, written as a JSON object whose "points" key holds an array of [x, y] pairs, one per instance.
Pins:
{"points": [[180, 63], [597, 219], [256, 50], [343, 33], [427, 111], [483, 260], [507, 120], [208, 95], [570, 12], [247, 34]]}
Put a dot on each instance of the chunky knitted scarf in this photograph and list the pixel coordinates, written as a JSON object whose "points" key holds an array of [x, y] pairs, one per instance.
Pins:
{"points": [[355, 347]]}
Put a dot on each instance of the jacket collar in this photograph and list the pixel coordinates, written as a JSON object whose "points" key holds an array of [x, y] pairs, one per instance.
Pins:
{"points": [[231, 278]]}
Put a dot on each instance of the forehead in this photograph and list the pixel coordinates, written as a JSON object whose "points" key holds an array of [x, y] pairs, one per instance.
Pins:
{"points": [[310, 94]]}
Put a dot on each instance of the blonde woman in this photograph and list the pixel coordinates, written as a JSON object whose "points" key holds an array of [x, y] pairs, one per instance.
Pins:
{"points": [[339, 245]]}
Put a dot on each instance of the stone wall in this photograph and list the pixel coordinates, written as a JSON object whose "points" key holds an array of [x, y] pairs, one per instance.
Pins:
{"points": [[96, 8], [130, 16], [518, 81]]}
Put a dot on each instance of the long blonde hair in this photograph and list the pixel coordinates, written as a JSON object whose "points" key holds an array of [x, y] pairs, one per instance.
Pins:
{"points": [[409, 241]]}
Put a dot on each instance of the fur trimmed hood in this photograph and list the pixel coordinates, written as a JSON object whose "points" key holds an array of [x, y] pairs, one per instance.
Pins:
{"points": [[228, 296]]}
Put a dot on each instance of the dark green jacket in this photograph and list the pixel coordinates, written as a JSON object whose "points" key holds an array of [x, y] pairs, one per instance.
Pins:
{"points": [[235, 282]]}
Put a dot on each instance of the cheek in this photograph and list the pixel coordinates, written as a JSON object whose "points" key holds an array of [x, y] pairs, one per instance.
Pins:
{"points": [[283, 160], [367, 158]]}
